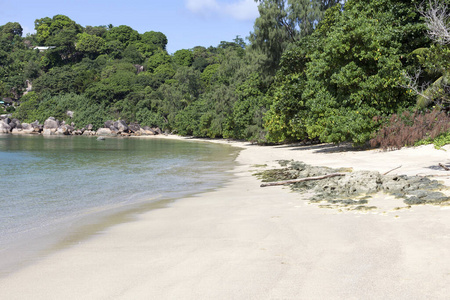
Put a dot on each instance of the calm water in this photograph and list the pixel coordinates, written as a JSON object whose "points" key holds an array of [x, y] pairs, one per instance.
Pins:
{"points": [[47, 182]]}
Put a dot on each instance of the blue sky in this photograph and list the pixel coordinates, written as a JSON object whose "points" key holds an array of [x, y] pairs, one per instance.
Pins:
{"points": [[186, 23]]}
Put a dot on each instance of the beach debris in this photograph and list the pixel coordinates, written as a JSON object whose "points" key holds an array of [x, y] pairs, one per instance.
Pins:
{"points": [[301, 180], [353, 188], [392, 170], [444, 167]]}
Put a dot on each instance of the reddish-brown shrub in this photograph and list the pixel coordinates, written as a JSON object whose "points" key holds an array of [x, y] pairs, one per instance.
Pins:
{"points": [[408, 128]]}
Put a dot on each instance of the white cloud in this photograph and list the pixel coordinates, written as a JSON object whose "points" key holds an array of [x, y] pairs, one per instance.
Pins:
{"points": [[202, 6], [243, 10], [240, 10]]}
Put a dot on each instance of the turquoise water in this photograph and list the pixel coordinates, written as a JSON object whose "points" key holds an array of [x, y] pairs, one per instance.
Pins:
{"points": [[47, 181]]}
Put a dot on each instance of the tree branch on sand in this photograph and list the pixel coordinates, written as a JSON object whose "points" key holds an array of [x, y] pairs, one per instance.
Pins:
{"points": [[392, 170], [444, 167], [301, 179]]}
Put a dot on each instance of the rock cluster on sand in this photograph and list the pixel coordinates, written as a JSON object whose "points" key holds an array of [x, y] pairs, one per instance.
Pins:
{"points": [[358, 185], [52, 126]]}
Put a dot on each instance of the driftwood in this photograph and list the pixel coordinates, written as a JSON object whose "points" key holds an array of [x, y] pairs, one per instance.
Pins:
{"points": [[392, 170], [301, 179], [444, 167]]}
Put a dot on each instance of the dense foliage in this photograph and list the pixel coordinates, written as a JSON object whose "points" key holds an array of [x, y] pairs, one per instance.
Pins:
{"points": [[313, 69]]}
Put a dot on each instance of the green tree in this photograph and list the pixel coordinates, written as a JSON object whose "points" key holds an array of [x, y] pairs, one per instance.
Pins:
{"points": [[10, 30], [282, 22], [56, 81], [285, 119], [183, 57], [114, 49], [131, 54], [92, 45], [99, 31], [60, 32], [26, 112], [353, 72], [157, 39], [159, 58], [124, 34]]}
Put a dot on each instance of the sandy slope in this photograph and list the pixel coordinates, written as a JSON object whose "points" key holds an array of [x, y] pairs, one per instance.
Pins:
{"points": [[247, 242]]}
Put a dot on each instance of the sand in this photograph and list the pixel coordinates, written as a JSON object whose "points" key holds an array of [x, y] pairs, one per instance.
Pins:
{"points": [[242, 241]]}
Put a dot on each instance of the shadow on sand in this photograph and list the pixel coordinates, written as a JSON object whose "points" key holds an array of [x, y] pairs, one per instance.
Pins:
{"points": [[324, 148]]}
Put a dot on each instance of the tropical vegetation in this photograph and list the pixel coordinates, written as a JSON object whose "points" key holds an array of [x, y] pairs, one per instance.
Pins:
{"points": [[311, 70]]}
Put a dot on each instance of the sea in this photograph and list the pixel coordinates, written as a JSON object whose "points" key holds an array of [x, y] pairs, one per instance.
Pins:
{"points": [[56, 191]]}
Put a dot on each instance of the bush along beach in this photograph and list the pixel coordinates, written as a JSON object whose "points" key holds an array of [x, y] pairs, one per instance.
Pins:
{"points": [[330, 71]]}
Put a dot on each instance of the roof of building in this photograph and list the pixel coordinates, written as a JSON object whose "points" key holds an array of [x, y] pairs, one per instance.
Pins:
{"points": [[42, 48]]}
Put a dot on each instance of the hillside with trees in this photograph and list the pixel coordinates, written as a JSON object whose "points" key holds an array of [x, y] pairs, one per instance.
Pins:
{"points": [[319, 70]]}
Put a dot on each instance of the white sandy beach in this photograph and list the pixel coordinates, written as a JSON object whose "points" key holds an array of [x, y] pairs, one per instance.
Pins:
{"points": [[246, 242]]}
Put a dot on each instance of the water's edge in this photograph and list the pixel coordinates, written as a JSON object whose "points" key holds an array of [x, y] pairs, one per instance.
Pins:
{"points": [[94, 222]]}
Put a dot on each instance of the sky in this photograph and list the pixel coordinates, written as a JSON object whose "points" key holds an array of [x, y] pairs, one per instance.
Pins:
{"points": [[186, 23]]}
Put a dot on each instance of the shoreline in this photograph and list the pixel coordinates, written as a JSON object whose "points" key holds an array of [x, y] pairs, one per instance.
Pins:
{"points": [[37, 243], [245, 242]]}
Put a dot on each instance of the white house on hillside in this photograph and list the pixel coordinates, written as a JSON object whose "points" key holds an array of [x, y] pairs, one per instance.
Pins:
{"points": [[44, 48]]}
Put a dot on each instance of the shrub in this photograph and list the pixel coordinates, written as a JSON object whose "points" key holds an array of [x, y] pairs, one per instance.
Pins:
{"points": [[407, 128]]}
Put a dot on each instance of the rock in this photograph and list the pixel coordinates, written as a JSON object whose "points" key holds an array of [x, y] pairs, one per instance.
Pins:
{"points": [[68, 129], [89, 132], [89, 127], [436, 197], [414, 190], [17, 131], [101, 138], [49, 131], [17, 122], [121, 126], [69, 113], [114, 130], [108, 124], [4, 128], [134, 127], [157, 130], [37, 128], [139, 68], [395, 184], [147, 131], [12, 124], [419, 193], [7, 120], [65, 130], [25, 129], [105, 132], [414, 200], [51, 123]]}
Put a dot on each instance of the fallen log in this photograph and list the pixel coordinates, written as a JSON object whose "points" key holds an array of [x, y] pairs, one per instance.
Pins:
{"points": [[444, 167], [301, 179]]}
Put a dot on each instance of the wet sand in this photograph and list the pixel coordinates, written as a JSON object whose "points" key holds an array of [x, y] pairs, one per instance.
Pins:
{"points": [[242, 241]]}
